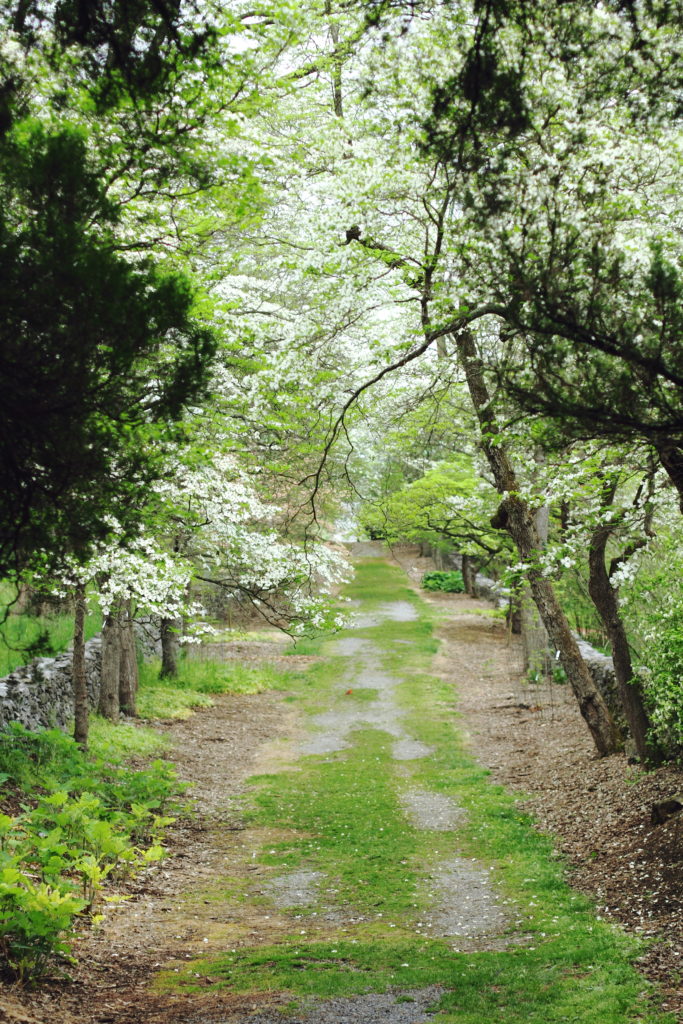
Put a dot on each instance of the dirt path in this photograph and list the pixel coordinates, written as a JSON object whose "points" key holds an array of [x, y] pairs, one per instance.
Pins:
{"points": [[532, 740]]}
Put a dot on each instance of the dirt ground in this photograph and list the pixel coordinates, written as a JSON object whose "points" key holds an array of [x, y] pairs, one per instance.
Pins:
{"points": [[534, 741], [531, 738]]}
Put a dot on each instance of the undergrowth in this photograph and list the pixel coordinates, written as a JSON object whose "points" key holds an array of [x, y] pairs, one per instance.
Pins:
{"points": [[72, 823]]}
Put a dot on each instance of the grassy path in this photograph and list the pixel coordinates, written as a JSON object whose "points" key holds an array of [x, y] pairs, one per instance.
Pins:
{"points": [[407, 887]]}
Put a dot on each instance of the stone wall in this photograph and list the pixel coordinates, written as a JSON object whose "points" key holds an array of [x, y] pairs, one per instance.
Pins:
{"points": [[601, 667], [40, 695]]}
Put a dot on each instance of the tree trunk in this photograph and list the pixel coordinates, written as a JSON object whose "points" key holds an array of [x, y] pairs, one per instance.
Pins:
{"points": [[536, 645], [671, 457], [108, 705], [519, 521], [80, 682], [514, 613], [606, 602], [337, 95], [128, 667], [469, 571], [169, 648]]}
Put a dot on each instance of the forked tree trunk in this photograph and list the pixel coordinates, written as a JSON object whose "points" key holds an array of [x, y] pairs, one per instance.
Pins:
{"points": [[169, 648], [606, 602], [80, 682], [108, 705], [128, 666], [518, 519]]}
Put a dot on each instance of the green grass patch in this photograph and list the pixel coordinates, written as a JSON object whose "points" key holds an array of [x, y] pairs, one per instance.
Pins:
{"points": [[343, 816], [349, 808], [376, 581], [113, 742], [24, 637], [517, 987], [199, 678], [308, 645]]}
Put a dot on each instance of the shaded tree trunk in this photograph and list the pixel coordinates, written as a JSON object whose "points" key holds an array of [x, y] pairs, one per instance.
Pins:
{"points": [[514, 613], [518, 519], [169, 648], [469, 572], [606, 602], [128, 666], [671, 457], [80, 682], [535, 643], [108, 705]]}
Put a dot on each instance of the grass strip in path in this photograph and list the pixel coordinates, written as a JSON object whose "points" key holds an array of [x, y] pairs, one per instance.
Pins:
{"points": [[344, 818]]}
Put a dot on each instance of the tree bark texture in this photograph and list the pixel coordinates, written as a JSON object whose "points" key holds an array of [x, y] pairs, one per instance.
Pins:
{"points": [[108, 705], [535, 642], [80, 682], [469, 572], [169, 648], [519, 521], [606, 602], [671, 457], [128, 666]]}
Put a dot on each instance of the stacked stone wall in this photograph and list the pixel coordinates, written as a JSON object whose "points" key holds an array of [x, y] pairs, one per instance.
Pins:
{"points": [[40, 695]]}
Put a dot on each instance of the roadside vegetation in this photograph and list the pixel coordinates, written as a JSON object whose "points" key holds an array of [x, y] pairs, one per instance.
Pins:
{"points": [[75, 827], [38, 631]]}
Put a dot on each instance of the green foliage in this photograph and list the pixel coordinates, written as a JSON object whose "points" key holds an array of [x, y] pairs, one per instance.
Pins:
{"points": [[449, 582], [448, 506], [197, 679], [81, 822], [26, 636], [33, 921], [104, 350], [652, 607]]}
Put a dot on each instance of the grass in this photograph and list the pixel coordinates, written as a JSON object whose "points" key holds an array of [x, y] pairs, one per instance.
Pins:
{"points": [[197, 680], [24, 637], [343, 815], [115, 742]]}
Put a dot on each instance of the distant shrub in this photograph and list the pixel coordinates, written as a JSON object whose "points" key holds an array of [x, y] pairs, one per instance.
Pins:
{"points": [[448, 582]]}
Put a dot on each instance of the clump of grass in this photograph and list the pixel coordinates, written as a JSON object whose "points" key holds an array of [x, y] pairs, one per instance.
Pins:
{"points": [[156, 701], [309, 645], [25, 637], [112, 742], [200, 678]]}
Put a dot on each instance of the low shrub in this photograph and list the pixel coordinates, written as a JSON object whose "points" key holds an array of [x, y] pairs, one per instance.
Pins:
{"points": [[450, 582], [73, 823]]}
